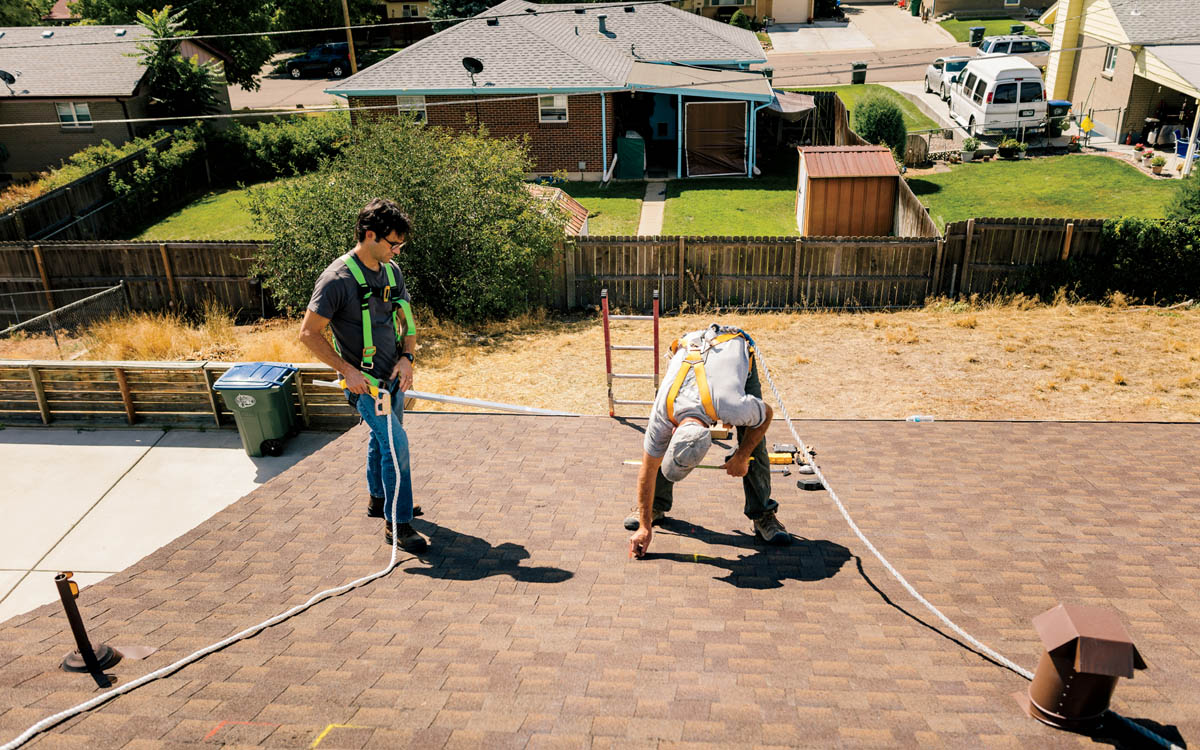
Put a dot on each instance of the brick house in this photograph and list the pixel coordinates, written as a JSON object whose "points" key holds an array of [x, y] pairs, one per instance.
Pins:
{"points": [[582, 82], [80, 77], [1137, 61]]}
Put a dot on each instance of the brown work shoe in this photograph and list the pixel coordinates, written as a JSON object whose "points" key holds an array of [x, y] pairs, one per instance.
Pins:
{"points": [[410, 539], [633, 521], [771, 530], [375, 508]]}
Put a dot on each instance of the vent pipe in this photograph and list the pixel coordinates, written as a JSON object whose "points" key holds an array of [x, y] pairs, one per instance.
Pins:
{"points": [[602, 18]]}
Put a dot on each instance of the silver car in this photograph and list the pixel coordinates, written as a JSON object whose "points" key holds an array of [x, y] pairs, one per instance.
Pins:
{"points": [[1036, 51], [940, 72]]}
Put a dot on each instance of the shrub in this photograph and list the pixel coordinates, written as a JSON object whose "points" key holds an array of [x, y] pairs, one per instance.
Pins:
{"points": [[479, 236], [880, 120], [740, 20], [970, 144], [160, 177], [1186, 204], [280, 147]]}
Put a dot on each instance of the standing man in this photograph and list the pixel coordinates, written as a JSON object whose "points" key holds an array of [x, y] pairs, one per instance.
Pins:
{"points": [[362, 297], [712, 377]]}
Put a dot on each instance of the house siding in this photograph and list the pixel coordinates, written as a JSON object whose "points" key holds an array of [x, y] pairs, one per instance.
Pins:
{"points": [[1106, 97], [552, 146], [34, 149], [964, 6]]}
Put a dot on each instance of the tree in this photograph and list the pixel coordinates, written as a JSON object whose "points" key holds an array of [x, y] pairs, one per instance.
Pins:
{"points": [[177, 86], [1186, 204], [880, 120], [740, 20], [23, 12], [289, 15], [247, 55], [479, 237], [456, 9]]}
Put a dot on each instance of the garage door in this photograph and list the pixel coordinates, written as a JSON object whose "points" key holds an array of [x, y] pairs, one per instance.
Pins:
{"points": [[791, 11], [715, 142]]}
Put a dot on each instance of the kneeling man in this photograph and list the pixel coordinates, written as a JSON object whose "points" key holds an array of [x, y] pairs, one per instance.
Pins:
{"points": [[712, 378]]}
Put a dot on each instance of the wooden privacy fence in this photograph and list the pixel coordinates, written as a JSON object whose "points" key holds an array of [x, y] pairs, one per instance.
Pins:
{"points": [[147, 393], [766, 273], [984, 256], [166, 275]]}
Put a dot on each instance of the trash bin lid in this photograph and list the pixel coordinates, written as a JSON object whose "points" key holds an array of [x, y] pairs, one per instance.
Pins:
{"points": [[1059, 103], [251, 376]]}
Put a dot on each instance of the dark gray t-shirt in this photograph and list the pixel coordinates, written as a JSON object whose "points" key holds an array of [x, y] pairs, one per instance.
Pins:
{"points": [[337, 297]]}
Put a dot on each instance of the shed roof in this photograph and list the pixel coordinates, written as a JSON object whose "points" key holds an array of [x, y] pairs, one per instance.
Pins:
{"points": [[822, 162], [576, 214], [75, 61]]}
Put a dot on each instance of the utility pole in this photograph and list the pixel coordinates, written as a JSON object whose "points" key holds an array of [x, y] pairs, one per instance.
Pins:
{"points": [[349, 37]]}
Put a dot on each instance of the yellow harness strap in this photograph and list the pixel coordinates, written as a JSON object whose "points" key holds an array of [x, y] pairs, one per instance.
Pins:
{"points": [[694, 362]]}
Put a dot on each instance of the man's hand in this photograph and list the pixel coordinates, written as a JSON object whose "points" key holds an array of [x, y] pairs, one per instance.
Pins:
{"points": [[355, 382], [737, 465], [404, 371], [640, 541]]}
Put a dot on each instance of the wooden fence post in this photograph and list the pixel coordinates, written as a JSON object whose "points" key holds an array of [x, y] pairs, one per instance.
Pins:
{"points": [[126, 397], [40, 392], [966, 263], [302, 396], [796, 261], [162, 250], [935, 281], [41, 264], [1066, 249], [568, 249], [680, 268], [19, 222], [212, 395]]}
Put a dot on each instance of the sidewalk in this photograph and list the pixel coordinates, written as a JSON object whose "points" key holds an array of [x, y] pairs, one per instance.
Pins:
{"points": [[97, 501], [653, 206]]}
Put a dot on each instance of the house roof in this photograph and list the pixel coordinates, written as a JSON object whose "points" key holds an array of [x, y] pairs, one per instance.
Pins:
{"points": [[848, 161], [47, 68], [686, 79], [60, 12], [576, 214], [1150, 21], [1184, 59], [553, 51]]}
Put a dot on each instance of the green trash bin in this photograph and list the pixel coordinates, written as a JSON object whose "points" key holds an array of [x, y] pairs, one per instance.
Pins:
{"points": [[858, 72], [915, 7], [976, 35], [260, 395], [1016, 28], [631, 158]]}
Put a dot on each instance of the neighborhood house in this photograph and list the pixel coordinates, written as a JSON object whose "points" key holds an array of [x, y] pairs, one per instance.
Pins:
{"points": [[672, 89]]}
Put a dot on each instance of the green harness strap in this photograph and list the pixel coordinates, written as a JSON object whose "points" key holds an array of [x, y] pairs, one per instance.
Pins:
{"points": [[398, 306]]}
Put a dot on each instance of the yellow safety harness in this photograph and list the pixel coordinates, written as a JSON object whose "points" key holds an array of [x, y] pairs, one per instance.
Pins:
{"points": [[694, 362]]}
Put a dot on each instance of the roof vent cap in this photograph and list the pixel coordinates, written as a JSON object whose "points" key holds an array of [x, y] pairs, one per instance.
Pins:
{"points": [[602, 17], [47, 33], [119, 32]]}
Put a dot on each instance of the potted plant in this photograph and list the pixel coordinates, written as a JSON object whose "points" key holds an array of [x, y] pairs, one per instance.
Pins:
{"points": [[1157, 163], [1138, 147], [1008, 147], [1147, 155], [1074, 146], [969, 147]]}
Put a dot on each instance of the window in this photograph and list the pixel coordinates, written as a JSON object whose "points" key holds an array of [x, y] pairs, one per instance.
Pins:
{"points": [[74, 115], [412, 105], [1011, 3], [979, 89], [1031, 91], [986, 47], [552, 108], [1005, 93], [1021, 48], [1041, 46], [955, 66], [410, 11], [1110, 59], [969, 84]]}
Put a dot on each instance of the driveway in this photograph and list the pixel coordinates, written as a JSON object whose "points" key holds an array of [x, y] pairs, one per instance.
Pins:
{"points": [[281, 92], [867, 27]]}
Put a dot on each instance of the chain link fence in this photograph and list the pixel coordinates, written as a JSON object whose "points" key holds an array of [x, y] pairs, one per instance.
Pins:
{"points": [[69, 318]]}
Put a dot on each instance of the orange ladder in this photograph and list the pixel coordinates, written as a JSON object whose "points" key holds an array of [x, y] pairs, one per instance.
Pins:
{"points": [[609, 348]]}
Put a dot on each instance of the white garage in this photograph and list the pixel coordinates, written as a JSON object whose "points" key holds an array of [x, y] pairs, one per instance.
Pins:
{"points": [[792, 11]]}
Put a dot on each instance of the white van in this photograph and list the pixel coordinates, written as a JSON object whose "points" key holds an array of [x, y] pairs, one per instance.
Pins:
{"points": [[999, 93]]}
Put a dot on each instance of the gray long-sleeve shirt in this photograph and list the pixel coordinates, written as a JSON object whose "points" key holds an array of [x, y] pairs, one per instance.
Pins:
{"points": [[727, 366]]}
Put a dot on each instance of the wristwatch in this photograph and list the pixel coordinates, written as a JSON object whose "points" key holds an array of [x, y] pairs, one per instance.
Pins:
{"points": [[408, 356]]}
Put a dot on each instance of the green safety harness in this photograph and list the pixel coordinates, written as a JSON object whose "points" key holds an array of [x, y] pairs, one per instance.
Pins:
{"points": [[399, 306]]}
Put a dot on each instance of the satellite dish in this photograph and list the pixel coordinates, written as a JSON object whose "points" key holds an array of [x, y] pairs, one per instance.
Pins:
{"points": [[7, 77], [473, 65]]}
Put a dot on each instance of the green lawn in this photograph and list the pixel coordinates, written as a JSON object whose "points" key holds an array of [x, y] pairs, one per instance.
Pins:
{"points": [[991, 27], [914, 119], [612, 210], [219, 215], [764, 206], [1075, 186]]}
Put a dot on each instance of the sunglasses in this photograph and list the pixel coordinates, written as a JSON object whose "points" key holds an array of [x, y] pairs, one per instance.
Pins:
{"points": [[395, 245]]}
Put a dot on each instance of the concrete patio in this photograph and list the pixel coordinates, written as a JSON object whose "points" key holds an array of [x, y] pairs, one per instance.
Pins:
{"points": [[526, 624]]}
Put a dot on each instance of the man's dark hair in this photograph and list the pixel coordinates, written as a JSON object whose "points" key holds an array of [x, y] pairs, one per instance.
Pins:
{"points": [[382, 217]]}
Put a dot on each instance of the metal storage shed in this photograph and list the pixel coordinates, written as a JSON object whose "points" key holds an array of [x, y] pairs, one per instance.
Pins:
{"points": [[847, 191]]}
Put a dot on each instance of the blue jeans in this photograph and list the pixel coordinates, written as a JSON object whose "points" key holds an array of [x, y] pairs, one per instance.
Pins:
{"points": [[381, 472]]}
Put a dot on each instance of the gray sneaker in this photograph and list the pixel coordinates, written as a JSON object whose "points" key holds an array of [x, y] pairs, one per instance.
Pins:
{"points": [[771, 530], [633, 520]]}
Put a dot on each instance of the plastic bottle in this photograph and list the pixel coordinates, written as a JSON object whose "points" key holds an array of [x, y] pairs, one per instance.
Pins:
{"points": [[920, 418]]}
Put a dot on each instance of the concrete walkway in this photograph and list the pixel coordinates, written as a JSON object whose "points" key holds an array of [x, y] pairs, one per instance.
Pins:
{"points": [[97, 501], [653, 205]]}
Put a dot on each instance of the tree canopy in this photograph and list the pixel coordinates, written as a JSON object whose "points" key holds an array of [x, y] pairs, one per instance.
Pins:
{"points": [[177, 86]]}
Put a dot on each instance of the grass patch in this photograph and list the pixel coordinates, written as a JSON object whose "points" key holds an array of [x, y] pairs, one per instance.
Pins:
{"points": [[615, 209], [1076, 186], [219, 215], [731, 206], [763, 39], [999, 26], [851, 94]]}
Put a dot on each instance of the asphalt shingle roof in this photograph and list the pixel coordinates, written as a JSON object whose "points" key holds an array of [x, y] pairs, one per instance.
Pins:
{"points": [[555, 50], [1159, 21], [525, 625], [48, 68]]}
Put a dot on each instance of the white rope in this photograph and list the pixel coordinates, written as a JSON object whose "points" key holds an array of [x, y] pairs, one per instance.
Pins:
{"points": [[100, 700], [984, 648]]}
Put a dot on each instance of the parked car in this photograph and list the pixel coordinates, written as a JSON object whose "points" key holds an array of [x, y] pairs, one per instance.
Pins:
{"points": [[332, 59], [998, 94], [1036, 51], [939, 73]]}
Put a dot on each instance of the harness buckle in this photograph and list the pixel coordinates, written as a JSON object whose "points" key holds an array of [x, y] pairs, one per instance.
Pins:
{"points": [[387, 294], [369, 352]]}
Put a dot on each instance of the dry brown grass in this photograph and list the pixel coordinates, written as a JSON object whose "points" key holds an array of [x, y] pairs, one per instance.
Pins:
{"points": [[1016, 360]]}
